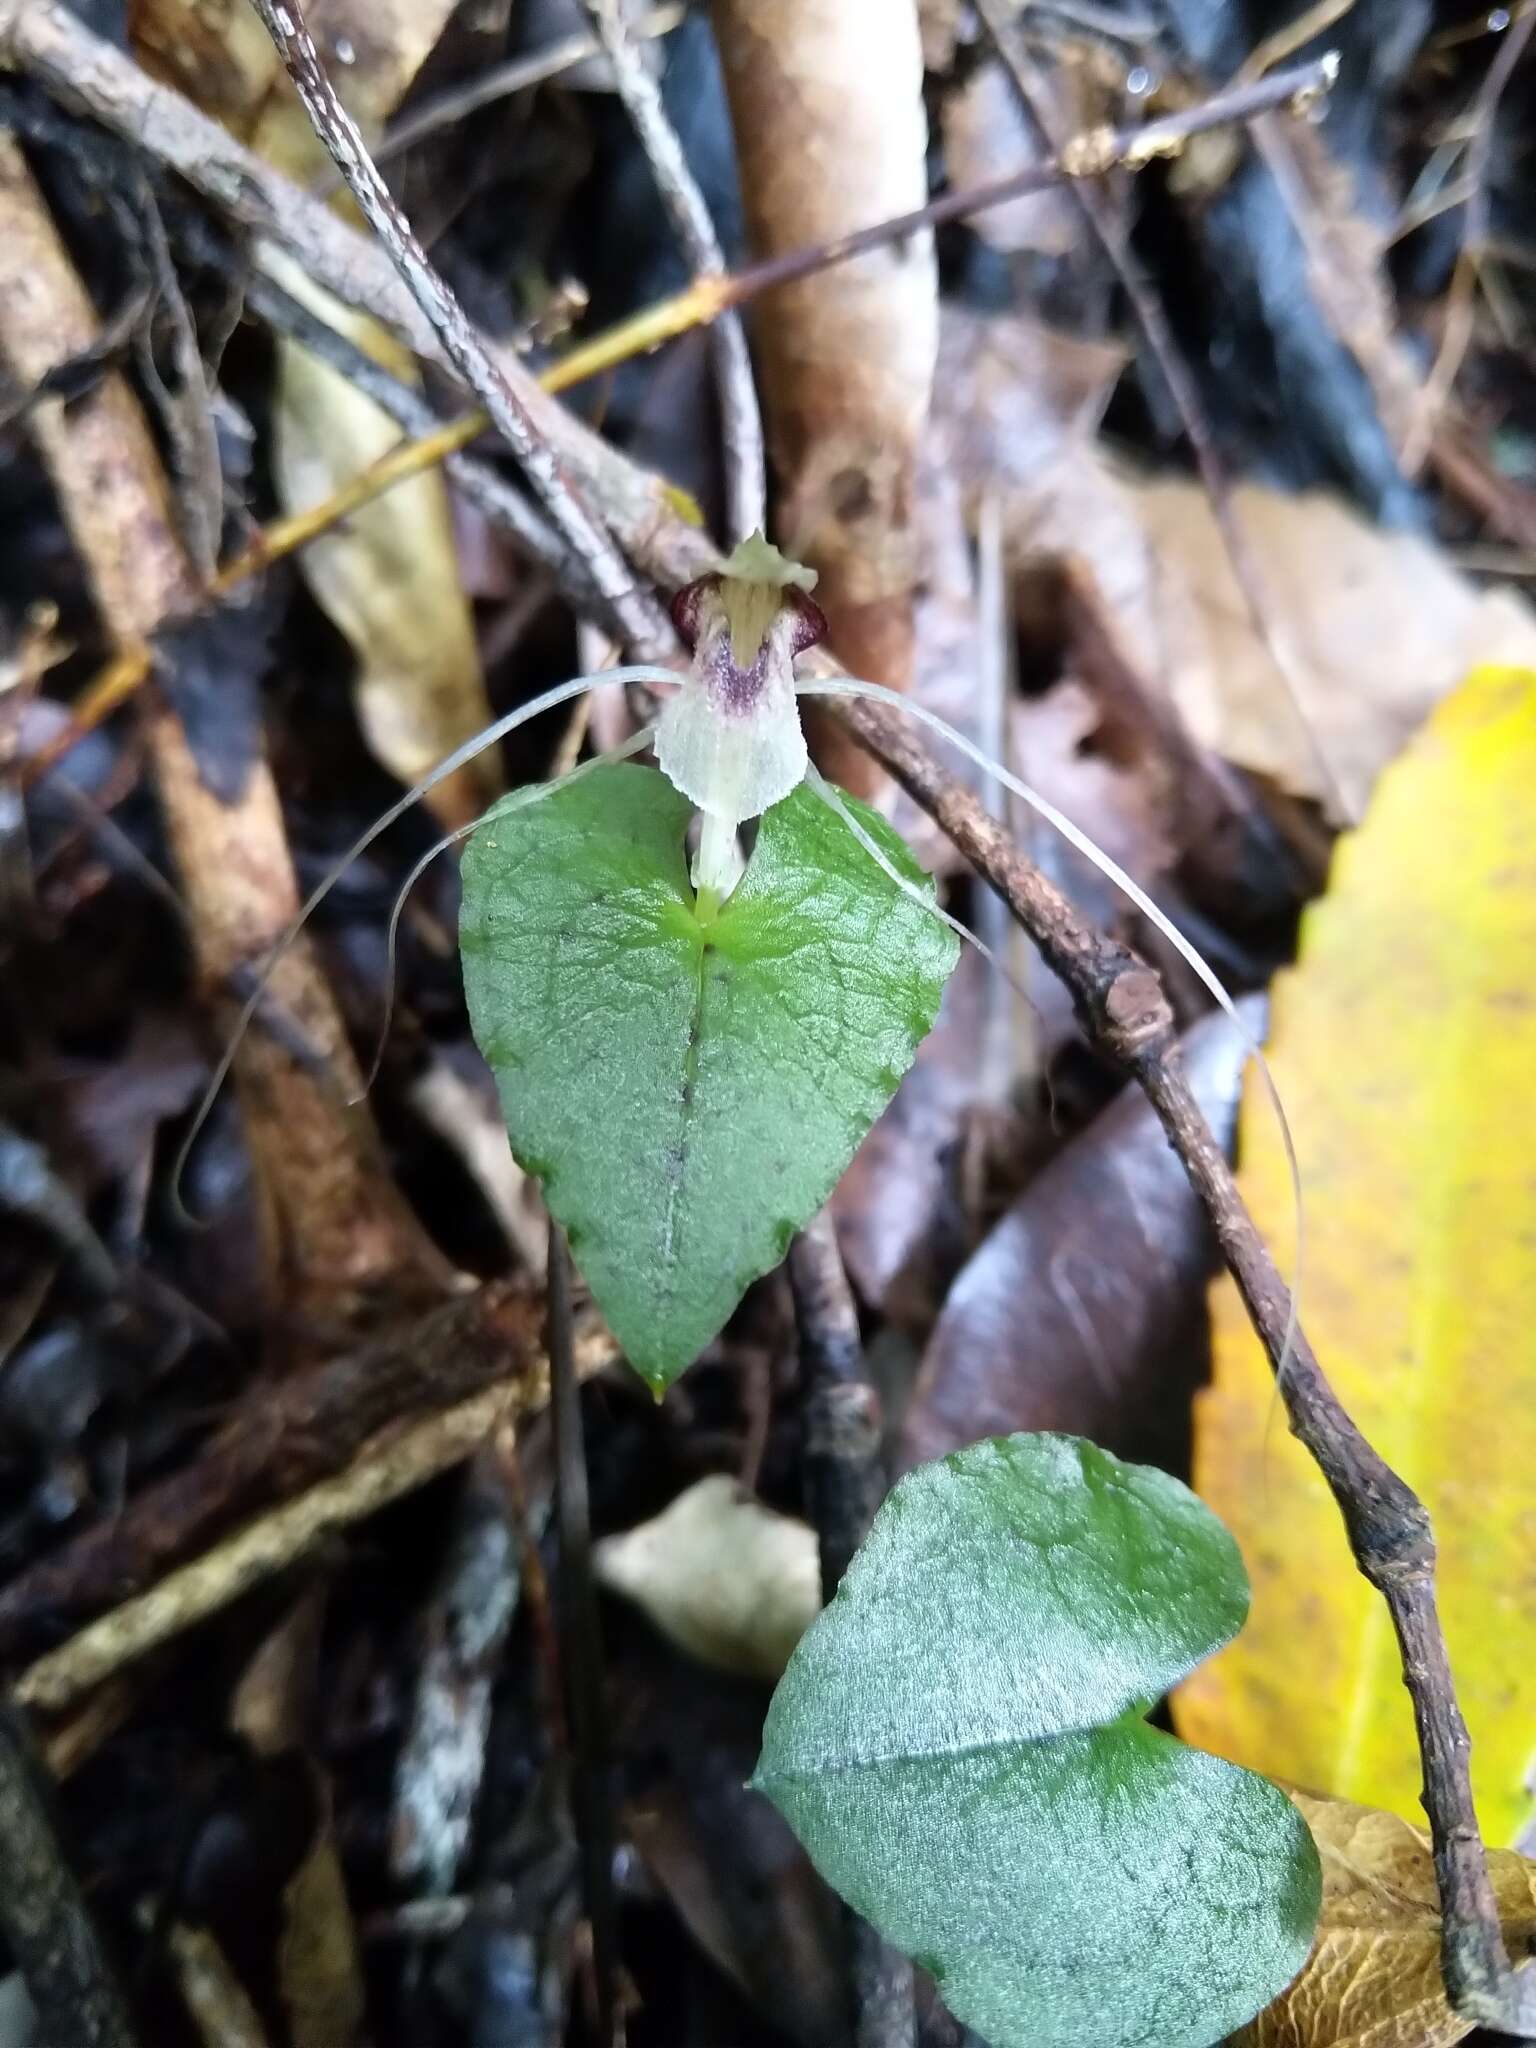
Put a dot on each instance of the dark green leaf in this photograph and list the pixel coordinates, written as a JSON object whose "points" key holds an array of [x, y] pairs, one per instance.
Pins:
{"points": [[688, 1093], [958, 1742]]}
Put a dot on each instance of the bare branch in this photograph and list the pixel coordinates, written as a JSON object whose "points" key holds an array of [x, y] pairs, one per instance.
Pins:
{"points": [[1122, 1009], [639, 619], [746, 461]]}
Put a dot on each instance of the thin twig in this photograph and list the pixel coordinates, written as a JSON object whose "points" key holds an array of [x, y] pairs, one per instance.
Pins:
{"points": [[638, 618], [845, 1481], [257, 1553], [92, 76], [1285, 41], [581, 1645], [52, 1939], [274, 1445], [841, 1427], [1098, 210], [501, 81], [1457, 336], [741, 417], [1125, 1014]]}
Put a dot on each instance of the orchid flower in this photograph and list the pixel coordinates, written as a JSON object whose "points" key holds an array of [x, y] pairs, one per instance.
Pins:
{"points": [[729, 738]]}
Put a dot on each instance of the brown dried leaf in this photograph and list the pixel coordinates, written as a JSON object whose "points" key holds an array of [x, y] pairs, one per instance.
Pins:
{"points": [[1069, 1316], [1381, 623], [1373, 1980], [831, 135], [896, 1208]]}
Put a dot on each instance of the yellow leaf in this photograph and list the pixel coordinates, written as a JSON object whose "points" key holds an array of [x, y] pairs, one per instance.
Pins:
{"points": [[1373, 1978], [388, 576], [1404, 1045]]}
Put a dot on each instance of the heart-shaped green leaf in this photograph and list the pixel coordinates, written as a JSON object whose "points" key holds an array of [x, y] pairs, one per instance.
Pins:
{"points": [[959, 1743], [688, 1091]]}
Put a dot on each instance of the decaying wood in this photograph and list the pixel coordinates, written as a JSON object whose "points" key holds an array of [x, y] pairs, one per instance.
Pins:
{"points": [[277, 1442], [831, 136], [243, 1561], [48, 1931], [340, 1240]]}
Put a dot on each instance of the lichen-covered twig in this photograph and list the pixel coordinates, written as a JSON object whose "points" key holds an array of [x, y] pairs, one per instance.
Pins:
{"points": [[1122, 1009], [741, 420], [636, 614], [47, 1929]]}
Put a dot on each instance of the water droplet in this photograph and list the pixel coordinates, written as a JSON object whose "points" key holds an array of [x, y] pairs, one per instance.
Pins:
{"points": [[346, 50], [1139, 82], [1498, 20]]}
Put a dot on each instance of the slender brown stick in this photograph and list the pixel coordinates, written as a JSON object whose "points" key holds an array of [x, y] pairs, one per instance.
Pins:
{"points": [[581, 1644], [638, 617], [1098, 210], [1460, 306], [42, 1915], [741, 418], [500, 81], [90, 75], [1124, 1012], [845, 1481], [275, 1444]]}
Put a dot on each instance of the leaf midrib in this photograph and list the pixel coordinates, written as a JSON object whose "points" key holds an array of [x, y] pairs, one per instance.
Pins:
{"points": [[1134, 1715], [687, 1113]]}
